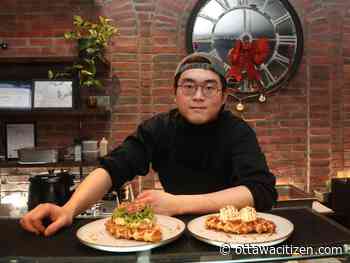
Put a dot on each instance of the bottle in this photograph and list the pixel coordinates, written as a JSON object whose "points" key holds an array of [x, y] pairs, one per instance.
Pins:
{"points": [[77, 150], [103, 147]]}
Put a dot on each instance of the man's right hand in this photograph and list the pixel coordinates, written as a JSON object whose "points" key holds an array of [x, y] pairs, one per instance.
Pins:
{"points": [[89, 191], [59, 217]]}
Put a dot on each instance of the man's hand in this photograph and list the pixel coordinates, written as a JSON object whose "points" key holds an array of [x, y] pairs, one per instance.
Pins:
{"points": [[161, 202], [169, 204], [33, 220]]}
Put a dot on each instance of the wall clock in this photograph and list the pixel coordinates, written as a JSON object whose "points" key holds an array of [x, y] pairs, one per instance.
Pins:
{"points": [[260, 41]]}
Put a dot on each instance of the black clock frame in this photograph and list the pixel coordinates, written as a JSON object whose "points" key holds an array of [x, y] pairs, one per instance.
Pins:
{"points": [[297, 57]]}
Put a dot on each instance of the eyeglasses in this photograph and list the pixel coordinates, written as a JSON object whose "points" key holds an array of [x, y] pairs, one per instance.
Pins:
{"points": [[209, 89]]}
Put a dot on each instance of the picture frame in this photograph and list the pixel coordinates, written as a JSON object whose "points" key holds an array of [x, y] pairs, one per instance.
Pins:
{"points": [[53, 94], [15, 95], [19, 135]]}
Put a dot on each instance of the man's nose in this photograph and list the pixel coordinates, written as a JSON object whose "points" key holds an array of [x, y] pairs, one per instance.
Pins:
{"points": [[198, 94]]}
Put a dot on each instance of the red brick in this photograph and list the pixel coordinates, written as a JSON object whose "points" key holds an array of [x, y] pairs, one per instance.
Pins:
{"points": [[124, 127], [162, 92], [164, 49], [146, 66], [126, 118], [163, 107], [144, 7], [122, 66], [164, 100], [127, 83], [146, 108], [146, 100], [126, 48], [126, 109], [127, 74]]}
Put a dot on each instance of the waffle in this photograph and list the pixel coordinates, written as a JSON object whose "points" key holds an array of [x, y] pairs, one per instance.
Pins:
{"points": [[149, 233], [134, 220], [259, 225]]}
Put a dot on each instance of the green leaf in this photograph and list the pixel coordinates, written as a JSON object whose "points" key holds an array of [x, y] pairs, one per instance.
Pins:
{"points": [[85, 72], [98, 83], [89, 61], [90, 50], [50, 74], [78, 66], [69, 35], [93, 32], [78, 20], [146, 213], [85, 43]]}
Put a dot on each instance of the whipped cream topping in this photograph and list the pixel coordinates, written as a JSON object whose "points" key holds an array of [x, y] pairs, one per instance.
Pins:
{"points": [[229, 212], [248, 214]]}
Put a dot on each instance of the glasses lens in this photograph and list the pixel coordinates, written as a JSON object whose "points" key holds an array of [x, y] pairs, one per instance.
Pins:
{"points": [[189, 89], [208, 90]]}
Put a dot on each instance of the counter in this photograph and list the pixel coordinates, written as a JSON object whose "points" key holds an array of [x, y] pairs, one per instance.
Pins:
{"points": [[311, 229]]}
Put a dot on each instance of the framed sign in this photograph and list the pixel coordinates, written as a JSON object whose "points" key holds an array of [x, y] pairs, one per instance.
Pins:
{"points": [[19, 135], [15, 95], [53, 94]]}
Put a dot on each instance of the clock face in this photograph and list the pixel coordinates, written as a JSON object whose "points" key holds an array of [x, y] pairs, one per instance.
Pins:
{"points": [[216, 26]]}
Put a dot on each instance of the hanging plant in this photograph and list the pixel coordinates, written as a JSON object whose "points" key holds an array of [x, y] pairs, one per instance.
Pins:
{"points": [[92, 39]]}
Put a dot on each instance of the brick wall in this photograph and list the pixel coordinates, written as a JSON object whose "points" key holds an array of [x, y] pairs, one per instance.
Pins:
{"points": [[304, 129]]}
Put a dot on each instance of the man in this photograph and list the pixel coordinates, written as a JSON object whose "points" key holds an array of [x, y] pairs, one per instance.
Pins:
{"points": [[205, 157]]}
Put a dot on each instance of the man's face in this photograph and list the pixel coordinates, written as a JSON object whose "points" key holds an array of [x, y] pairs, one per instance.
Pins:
{"points": [[199, 95]]}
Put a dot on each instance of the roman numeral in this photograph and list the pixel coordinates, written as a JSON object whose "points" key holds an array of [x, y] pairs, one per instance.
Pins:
{"points": [[278, 57], [224, 4], [287, 40], [270, 78], [280, 19], [209, 18], [264, 6], [203, 39], [243, 2]]}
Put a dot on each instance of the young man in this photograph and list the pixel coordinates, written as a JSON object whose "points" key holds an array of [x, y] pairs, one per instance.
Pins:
{"points": [[205, 157]]}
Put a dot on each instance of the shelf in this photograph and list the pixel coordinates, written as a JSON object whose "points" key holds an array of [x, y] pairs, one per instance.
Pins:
{"points": [[31, 60], [28, 68], [82, 112], [49, 60], [14, 164]]}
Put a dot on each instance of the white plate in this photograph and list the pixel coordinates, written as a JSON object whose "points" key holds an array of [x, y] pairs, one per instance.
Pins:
{"points": [[284, 229], [95, 235]]}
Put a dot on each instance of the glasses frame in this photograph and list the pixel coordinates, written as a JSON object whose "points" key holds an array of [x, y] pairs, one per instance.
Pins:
{"points": [[190, 93]]}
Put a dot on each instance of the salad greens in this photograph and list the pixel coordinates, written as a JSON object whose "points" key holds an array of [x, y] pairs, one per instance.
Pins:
{"points": [[121, 212]]}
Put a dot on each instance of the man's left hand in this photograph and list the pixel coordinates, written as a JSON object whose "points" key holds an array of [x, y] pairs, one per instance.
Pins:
{"points": [[161, 202]]}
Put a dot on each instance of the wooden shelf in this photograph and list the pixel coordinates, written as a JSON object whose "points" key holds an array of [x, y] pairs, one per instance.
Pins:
{"points": [[77, 113], [31, 60], [14, 164], [49, 60]]}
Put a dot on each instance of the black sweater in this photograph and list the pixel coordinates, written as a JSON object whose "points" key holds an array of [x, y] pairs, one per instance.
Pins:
{"points": [[195, 159]]}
